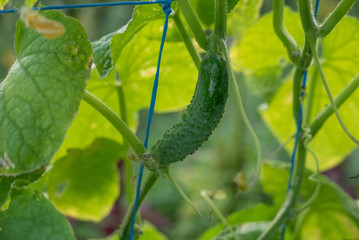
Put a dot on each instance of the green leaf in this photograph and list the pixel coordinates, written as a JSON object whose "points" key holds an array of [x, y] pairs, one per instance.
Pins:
{"points": [[266, 68], [332, 207], [41, 94], [27, 178], [248, 231], [16, 4], [5, 186], [149, 232], [108, 49], [331, 199], [30, 216], [2, 3], [259, 212], [137, 68], [85, 183], [90, 124], [243, 16], [204, 10], [231, 5], [261, 55], [20, 180]]}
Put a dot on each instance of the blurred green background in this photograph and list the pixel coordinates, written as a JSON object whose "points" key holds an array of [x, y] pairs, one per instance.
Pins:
{"points": [[228, 152]]}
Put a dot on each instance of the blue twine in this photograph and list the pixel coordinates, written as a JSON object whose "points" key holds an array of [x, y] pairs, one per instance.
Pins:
{"points": [[167, 10], [75, 6], [316, 9], [299, 125]]}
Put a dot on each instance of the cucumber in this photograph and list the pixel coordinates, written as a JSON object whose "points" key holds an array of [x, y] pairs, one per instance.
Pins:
{"points": [[201, 116]]}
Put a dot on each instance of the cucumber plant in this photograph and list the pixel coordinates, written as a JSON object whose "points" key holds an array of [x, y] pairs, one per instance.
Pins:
{"points": [[68, 114]]}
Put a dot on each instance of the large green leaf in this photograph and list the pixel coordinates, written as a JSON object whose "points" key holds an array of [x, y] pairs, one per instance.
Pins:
{"points": [[265, 68], [149, 232], [41, 94], [332, 207], [248, 231], [2, 4], [5, 186], [21, 180], [85, 184], [331, 199], [137, 69], [108, 49], [30, 216], [260, 212], [204, 10], [243, 16], [261, 55], [90, 124]]}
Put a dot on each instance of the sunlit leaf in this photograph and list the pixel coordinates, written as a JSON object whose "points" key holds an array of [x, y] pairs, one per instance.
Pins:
{"points": [[137, 69], [265, 67], [232, 4], [332, 207], [248, 231], [243, 16], [261, 55], [204, 10], [41, 94], [85, 183], [149, 232], [90, 124], [260, 212], [31, 216], [108, 49], [2, 4]]}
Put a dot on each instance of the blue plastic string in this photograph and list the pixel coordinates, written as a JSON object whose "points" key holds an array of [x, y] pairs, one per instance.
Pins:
{"points": [[167, 10], [316, 9], [75, 6], [299, 124]]}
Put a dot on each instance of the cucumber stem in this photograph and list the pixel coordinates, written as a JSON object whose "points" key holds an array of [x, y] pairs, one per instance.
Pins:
{"points": [[193, 23], [312, 43], [185, 197], [116, 121], [243, 112], [218, 213], [187, 40]]}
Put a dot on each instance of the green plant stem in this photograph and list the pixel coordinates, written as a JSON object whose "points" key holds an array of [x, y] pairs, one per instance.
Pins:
{"points": [[310, 98], [116, 121], [306, 15], [323, 115], [242, 110], [288, 208], [297, 82], [187, 40], [218, 213], [220, 25], [335, 17], [193, 23], [184, 196], [128, 162], [327, 89], [302, 65], [312, 177], [126, 223], [282, 33]]}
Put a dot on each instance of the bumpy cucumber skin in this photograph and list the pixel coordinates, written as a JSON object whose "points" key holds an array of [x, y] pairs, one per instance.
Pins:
{"points": [[201, 116]]}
